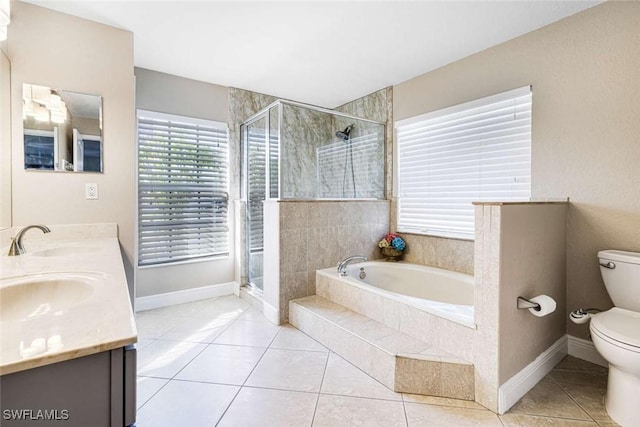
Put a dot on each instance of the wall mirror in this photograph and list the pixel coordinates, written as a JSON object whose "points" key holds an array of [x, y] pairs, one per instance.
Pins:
{"points": [[62, 130]]}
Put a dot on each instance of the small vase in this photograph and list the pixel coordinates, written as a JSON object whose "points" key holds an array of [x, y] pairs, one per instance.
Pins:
{"points": [[391, 254]]}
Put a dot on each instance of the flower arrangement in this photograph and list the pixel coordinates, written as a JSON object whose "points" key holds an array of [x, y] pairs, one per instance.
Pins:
{"points": [[392, 246]]}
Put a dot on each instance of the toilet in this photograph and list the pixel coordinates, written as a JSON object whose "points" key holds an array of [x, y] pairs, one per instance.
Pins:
{"points": [[616, 335]]}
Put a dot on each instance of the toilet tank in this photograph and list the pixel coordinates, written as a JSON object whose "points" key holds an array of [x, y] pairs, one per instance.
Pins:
{"points": [[621, 274]]}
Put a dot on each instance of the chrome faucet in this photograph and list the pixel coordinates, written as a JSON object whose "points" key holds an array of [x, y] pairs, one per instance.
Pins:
{"points": [[342, 265], [16, 245]]}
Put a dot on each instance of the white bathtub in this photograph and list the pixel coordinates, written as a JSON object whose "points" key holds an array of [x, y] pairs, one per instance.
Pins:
{"points": [[443, 293]]}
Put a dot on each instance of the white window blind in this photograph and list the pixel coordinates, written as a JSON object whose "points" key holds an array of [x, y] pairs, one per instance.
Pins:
{"points": [[182, 188], [447, 159]]}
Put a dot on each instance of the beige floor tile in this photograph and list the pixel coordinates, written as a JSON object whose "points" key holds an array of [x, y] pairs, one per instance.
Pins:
{"points": [[197, 329], [609, 424], [147, 387], [143, 342], [265, 408], [364, 327], [591, 399], [224, 364], [521, 420], [341, 377], [230, 304], [291, 338], [567, 378], [184, 403], [253, 314], [442, 401], [164, 359], [334, 411], [446, 416], [401, 343], [289, 370], [571, 363], [151, 325], [548, 399], [254, 334]]}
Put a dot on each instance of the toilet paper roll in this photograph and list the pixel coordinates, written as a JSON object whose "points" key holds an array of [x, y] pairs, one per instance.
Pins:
{"points": [[547, 305]]}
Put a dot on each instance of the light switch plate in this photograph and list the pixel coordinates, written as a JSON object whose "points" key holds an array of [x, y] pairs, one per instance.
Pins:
{"points": [[91, 191]]}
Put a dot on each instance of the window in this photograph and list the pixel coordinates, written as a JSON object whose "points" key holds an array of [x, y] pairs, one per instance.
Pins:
{"points": [[447, 159], [182, 188]]}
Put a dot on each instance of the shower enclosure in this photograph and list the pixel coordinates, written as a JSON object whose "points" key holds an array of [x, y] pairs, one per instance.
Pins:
{"points": [[293, 151]]}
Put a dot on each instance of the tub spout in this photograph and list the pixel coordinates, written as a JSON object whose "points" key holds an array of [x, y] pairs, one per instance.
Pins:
{"points": [[342, 265]]}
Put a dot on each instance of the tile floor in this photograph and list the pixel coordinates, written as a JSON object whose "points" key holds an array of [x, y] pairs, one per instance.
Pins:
{"points": [[220, 362]]}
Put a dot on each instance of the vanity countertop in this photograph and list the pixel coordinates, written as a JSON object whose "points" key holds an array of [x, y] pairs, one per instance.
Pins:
{"points": [[63, 323]]}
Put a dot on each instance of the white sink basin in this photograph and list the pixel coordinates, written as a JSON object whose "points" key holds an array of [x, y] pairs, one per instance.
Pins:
{"points": [[33, 296], [65, 251]]}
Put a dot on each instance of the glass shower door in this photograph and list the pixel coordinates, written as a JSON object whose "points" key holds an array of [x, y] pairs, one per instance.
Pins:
{"points": [[255, 157]]}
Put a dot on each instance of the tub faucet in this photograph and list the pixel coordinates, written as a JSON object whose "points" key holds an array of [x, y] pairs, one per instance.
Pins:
{"points": [[342, 265], [16, 245]]}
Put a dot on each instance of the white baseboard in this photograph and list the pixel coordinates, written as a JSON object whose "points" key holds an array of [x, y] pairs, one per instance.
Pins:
{"points": [[519, 384], [585, 350], [186, 295], [271, 313]]}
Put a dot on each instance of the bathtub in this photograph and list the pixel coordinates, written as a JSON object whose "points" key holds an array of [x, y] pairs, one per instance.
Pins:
{"points": [[443, 293]]}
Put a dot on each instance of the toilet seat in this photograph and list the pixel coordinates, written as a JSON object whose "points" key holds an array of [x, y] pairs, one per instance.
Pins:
{"points": [[619, 327]]}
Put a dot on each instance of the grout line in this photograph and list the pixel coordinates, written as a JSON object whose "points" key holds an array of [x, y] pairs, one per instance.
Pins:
{"points": [[324, 373], [404, 409], [245, 380], [228, 406], [362, 397], [566, 392], [153, 395]]}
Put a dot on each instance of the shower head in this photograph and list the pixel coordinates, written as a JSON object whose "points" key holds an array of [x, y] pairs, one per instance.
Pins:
{"points": [[344, 134]]}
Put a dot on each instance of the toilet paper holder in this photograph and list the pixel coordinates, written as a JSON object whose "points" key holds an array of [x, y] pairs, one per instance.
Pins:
{"points": [[524, 303]]}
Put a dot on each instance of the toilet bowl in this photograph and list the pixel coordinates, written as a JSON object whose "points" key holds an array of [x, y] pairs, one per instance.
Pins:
{"points": [[616, 335]]}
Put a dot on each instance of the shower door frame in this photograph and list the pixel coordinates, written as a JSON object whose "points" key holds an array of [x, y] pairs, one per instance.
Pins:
{"points": [[262, 114], [265, 113]]}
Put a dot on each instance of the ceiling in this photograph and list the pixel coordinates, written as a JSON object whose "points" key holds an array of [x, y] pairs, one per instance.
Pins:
{"points": [[324, 53]]}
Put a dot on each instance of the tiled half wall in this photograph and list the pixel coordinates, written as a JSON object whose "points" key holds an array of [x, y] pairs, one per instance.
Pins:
{"points": [[315, 235]]}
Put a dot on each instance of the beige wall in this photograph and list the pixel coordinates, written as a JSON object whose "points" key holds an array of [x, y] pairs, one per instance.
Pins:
{"points": [[165, 93], [171, 94], [585, 133], [532, 262], [519, 251], [5, 142], [58, 50]]}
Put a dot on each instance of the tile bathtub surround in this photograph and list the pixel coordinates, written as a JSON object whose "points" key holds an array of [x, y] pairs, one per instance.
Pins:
{"points": [[344, 393], [318, 234], [397, 360], [450, 254]]}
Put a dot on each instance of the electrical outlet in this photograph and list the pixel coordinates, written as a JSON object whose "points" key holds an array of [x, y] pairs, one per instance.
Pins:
{"points": [[91, 191]]}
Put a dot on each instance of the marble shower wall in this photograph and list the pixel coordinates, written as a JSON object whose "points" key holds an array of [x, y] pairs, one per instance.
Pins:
{"points": [[318, 234], [303, 131], [365, 149], [376, 106]]}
